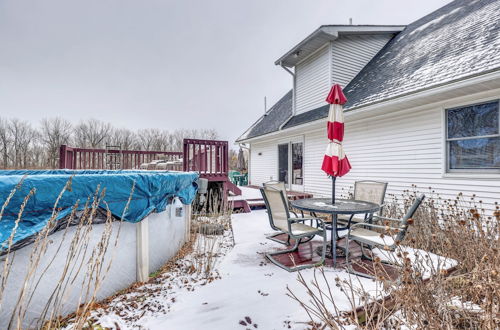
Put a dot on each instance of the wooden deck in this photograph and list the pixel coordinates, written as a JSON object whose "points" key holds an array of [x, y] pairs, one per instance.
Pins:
{"points": [[307, 254], [258, 203]]}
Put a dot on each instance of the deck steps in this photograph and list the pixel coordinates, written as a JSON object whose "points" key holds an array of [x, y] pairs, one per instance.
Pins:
{"points": [[232, 189], [251, 197]]}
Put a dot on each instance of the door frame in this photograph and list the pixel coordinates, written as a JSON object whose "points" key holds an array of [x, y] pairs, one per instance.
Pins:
{"points": [[290, 141]]}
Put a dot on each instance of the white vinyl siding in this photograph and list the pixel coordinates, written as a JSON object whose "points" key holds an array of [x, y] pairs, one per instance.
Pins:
{"points": [[263, 167], [351, 53], [403, 149], [312, 81]]}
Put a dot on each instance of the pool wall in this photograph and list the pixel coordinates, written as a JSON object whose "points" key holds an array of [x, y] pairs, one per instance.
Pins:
{"points": [[141, 248]]}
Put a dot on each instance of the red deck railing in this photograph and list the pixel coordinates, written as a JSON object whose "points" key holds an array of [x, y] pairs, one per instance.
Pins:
{"points": [[85, 158], [208, 157]]}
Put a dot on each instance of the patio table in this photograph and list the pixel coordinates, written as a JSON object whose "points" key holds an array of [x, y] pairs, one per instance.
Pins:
{"points": [[341, 206]]}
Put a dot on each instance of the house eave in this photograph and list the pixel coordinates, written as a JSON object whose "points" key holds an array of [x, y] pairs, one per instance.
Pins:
{"points": [[327, 33]]}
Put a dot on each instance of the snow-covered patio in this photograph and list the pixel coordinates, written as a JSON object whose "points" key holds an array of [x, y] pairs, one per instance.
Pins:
{"points": [[246, 290], [250, 286]]}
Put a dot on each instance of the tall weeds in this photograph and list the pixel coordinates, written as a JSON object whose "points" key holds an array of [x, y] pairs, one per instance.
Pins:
{"points": [[427, 293], [81, 253], [209, 227]]}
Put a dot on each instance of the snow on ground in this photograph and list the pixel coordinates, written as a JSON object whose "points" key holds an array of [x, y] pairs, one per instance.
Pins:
{"points": [[250, 286], [246, 291], [247, 193]]}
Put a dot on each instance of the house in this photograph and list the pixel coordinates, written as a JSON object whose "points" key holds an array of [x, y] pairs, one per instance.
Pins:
{"points": [[423, 106]]}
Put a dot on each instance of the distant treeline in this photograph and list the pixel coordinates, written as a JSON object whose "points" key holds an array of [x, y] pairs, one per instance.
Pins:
{"points": [[23, 145]]}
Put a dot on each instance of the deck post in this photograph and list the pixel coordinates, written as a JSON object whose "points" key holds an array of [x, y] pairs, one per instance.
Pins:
{"points": [[142, 251], [188, 215], [62, 156]]}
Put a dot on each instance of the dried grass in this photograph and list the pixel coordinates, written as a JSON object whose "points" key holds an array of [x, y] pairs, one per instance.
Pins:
{"points": [[468, 297], [80, 258]]}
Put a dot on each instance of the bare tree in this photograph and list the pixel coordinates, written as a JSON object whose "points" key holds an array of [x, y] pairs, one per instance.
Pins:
{"points": [[23, 146], [23, 136], [149, 138], [53, 133], [125, 138], [4, 142], [181, 134], [92, 133]]}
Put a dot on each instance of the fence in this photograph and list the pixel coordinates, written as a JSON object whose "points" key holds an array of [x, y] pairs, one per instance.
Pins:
{"points": [[84, 158], [208, 157]]}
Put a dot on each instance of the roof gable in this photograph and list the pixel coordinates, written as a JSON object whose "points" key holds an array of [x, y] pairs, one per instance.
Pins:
{"points": [[455, 42], [327, 33]]}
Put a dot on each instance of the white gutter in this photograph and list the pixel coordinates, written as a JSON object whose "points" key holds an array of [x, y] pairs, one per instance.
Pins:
{"points": [[293, 95], [287, 70]]}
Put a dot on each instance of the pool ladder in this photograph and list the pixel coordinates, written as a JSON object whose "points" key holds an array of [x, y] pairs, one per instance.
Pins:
{"points": [[113, 160]]}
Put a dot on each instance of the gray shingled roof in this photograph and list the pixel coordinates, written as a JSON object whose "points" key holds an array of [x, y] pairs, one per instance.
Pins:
{"points": [[272, 120], [459, 40]]}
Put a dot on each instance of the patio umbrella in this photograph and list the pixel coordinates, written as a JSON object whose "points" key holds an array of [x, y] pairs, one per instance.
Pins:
{"points": [[335, 162], [241, 164]]}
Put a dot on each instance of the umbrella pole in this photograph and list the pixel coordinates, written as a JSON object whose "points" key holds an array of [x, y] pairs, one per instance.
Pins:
{"points": [[333, 189]]}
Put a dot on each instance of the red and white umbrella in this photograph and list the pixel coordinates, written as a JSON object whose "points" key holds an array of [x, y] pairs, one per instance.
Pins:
{"points": [[335, 162]]}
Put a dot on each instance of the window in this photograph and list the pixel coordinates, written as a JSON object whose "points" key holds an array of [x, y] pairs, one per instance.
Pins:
{"points": [[473, 138], [297, 163]]}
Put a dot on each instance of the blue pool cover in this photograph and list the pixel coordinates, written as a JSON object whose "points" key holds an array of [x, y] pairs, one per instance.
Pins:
{"points": [[153, 190]]}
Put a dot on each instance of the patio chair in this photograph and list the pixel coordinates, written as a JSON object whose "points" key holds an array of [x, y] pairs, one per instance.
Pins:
{"points": [[387, 238], [280, 186], [279, 218], [369, 191]]}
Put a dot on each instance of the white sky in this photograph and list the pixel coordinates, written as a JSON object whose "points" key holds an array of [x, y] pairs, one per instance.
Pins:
{"points": [[164, 64]]}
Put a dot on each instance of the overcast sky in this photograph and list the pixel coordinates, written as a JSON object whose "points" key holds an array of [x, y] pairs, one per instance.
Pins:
{"points": [[163, 64]]}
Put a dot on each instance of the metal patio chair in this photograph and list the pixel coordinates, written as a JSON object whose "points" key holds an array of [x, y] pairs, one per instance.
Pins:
{"points": [[279, 218], [387, 238], [280, 186], [369, 191]]}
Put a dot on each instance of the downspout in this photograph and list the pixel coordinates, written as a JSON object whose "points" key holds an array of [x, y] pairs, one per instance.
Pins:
{"points": [[293, 93], [293, 90]]}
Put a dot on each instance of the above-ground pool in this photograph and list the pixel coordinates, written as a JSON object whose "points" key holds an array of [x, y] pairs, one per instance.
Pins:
{"points": [[68, 246], [129, 195]]}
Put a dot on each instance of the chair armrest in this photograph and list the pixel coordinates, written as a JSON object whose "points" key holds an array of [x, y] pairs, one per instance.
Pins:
{"points": [[366, 224], [378, 217]]}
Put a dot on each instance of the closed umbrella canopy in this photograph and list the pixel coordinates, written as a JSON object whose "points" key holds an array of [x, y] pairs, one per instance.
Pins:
{"points": [[241, 165], [335, 162]]}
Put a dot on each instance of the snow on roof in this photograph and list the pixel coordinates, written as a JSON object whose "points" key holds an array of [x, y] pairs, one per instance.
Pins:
{"points": [[459, 40]]}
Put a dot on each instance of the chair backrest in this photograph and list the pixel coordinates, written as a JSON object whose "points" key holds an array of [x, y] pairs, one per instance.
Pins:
{"points": [[278, 185], [409, 214], [277, 209], [370, 191]]}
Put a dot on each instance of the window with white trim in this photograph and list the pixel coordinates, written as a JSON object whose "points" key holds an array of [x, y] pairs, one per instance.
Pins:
{"points": [[473, 138]]}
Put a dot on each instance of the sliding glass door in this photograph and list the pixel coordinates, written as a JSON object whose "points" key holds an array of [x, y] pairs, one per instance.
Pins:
{"points": [[297, 178], [291, 163], [283, 163]]}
